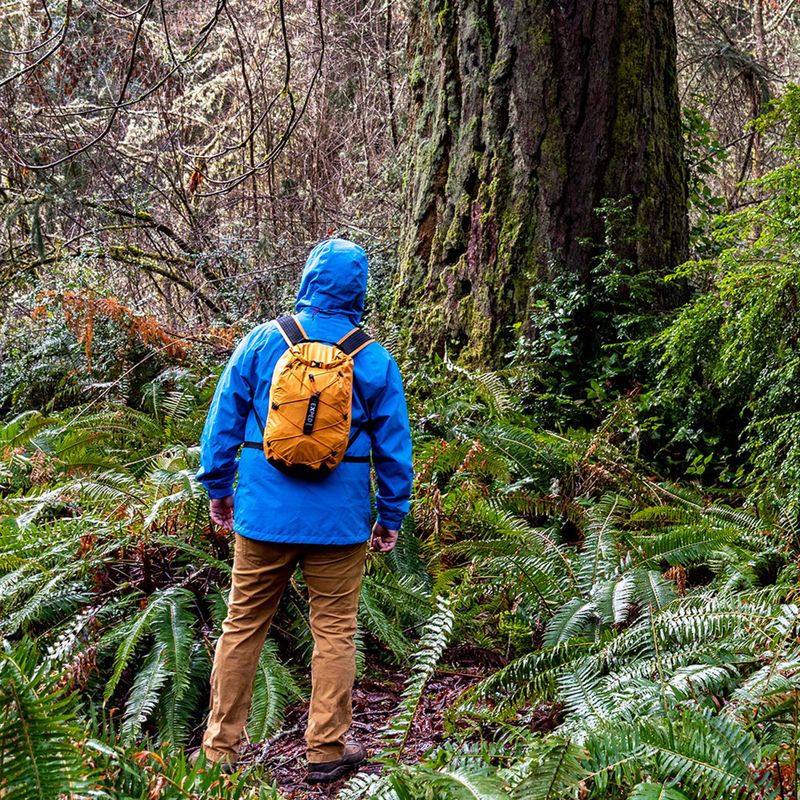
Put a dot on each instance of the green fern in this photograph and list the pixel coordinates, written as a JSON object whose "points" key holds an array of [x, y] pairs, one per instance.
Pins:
{"points": [[39, 759], [145, 692], [711, 755], [273, 690], [554, 771], [429, 650], [655, 791], [373, 619], [159, 604], [463, 782], [378, 787]]}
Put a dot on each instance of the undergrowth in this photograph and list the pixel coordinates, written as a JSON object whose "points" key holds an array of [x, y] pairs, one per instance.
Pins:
{"points": [[663, 628], [654, 619]]}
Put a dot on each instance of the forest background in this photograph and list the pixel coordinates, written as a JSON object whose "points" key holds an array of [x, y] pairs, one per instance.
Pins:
{"points": [[582, 224]]}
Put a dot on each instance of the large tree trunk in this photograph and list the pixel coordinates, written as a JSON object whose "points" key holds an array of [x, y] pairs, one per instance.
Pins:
{"points": [[528, 115]]}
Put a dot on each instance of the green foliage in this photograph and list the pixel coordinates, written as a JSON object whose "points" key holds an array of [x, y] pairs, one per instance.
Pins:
{"points": [[55, 353], [40, 757], [552, 771], [429, 650], [108, 558], [729, 358], [273, 690], [652, 627], [41, 364], [641, 613], [704, 153], [167, 773], [577, 336]]}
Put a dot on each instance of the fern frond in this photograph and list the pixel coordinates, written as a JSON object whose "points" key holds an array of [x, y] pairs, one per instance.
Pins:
{"points": [[134, 631], [599, 556], [403, 596], [21, 429], [372, 618], [177, 712], [273, 690], [537, 457], [693, 680], [144, 694], [431, 646], [488, 519], [652, 590], [770, 692], [38, 730], [54, 600], [554, 772], [529, 678], [539, 581], [711, 754], [681, 545], [697, 620], [656, 791], [572, 620], [185, 662], [179, 404], [365, 785], [490, 387], [173, 629], [460, 782], [613, 598], [184, 490], [585, 694]]}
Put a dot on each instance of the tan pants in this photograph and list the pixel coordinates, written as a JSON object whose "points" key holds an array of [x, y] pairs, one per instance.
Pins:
{"points": [[261, 571]]}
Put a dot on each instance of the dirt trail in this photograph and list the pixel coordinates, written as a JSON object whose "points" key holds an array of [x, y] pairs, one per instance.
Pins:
{"points": [[374, 701]]}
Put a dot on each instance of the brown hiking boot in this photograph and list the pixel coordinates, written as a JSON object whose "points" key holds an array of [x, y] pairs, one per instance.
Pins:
{"points": [[328, 771]]}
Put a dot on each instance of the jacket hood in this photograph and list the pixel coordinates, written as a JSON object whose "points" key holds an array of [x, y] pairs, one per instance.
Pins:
{"points": [[334, 279]]}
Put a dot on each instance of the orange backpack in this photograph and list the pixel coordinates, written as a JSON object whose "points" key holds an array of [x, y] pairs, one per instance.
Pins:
{"points": [[307, 430]]}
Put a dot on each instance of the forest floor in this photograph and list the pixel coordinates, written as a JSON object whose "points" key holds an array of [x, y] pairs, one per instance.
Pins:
{"points": [[375, 698]]}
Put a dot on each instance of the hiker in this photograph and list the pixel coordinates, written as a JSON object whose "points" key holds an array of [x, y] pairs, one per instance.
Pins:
{"points": [[309, 503]]}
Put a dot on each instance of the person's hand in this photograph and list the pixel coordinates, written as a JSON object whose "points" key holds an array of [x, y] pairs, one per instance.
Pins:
{"points": [[221, 510], [383, 540]]}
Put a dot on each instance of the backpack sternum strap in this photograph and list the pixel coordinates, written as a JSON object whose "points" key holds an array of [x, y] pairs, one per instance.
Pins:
{"points": [[354, 341]]}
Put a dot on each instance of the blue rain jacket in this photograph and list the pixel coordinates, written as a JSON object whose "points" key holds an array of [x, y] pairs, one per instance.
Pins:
{"points": [[269, 504]]}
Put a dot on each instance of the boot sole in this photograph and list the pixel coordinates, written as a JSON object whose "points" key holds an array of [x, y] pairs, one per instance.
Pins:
{"points": [[335, 773]]}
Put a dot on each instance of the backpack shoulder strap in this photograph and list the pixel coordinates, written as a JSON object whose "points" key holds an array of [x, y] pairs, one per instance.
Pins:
{"points": [[354, 342], [291, 330]]}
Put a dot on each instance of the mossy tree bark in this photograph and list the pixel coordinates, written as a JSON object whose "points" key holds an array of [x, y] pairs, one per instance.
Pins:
{"points": [[528, 115]]}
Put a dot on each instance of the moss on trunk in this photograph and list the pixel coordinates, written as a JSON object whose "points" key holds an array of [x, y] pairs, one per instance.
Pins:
{"points": [[528, 114]]}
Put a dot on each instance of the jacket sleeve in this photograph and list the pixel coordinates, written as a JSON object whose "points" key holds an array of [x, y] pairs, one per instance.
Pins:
{"points": [[225, 424], [391, 450]]}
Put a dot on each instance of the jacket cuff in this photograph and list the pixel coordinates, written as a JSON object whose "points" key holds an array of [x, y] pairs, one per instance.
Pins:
{"points": [[215, 494], [391, 522]]}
